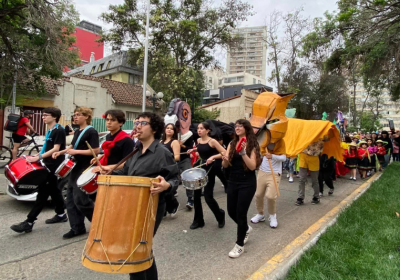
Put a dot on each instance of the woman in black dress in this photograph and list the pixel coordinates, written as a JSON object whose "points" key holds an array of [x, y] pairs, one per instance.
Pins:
{"points": [[242, 182], [169, 140], [209, 151]]}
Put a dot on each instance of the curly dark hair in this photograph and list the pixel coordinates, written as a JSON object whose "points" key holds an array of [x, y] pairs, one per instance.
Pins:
{"points": [[119, 115], [174, 136], [252, 143], [156, 123]]}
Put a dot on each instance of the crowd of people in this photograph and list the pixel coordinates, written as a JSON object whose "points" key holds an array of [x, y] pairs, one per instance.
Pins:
{"points": [[163, 155]]}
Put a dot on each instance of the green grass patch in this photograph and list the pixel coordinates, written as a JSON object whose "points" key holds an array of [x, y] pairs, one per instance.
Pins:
{"points": [[365, 241]]}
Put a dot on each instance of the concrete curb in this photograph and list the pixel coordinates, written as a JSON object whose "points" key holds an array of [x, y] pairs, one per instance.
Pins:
{"points": [[278, 266]]}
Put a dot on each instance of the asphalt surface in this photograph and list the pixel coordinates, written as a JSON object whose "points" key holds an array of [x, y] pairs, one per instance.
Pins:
{"points": [[181, 253]]}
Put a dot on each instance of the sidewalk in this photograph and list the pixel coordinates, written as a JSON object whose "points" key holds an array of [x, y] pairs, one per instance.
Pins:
{"points": [[181, 253]]}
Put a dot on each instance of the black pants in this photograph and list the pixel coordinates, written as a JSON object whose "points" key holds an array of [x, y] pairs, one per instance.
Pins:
{"points": [[240, 195], [48, 188], [208, 196], [151, 273], [325, 175], [79, 204], [171, 201]]}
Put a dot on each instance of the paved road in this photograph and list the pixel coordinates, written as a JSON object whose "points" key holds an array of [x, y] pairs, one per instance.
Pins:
{"points": [[181, 253]]}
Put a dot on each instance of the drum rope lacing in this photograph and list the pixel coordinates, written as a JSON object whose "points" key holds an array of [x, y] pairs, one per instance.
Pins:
{"points": [[145, 230]]}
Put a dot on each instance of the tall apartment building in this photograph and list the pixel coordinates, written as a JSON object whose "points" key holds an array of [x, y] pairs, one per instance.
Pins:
{"points": [[251, 55], [388, 109], [86, 35]]}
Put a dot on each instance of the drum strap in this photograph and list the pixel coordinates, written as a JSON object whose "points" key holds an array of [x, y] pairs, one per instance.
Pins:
{"points": [[80, 136], [56, 126]]}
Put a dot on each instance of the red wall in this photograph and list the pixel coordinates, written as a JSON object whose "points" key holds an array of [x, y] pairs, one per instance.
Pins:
{"points": [[86, 43]]}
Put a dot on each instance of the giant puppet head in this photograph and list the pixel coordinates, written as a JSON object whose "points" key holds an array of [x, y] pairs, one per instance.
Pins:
{"points": [[180, 115], [269, 121]]}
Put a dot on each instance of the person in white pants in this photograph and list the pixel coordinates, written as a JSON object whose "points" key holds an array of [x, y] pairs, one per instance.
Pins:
{"points": [[266, 187]]}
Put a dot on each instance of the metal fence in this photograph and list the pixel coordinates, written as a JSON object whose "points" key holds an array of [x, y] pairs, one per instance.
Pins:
{"points": [[100, 124]]}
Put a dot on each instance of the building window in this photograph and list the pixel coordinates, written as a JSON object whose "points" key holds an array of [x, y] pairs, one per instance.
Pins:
{"points": [[108, 64], [133, 79], [259, 81], [100, 68], [131, 115], [92, 71], [220, 82], [110, 77], [254, 81]]}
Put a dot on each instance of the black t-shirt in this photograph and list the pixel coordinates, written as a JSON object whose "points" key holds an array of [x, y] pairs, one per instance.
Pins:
{"points": [[57, 137], [92, 137], [121, 149]]}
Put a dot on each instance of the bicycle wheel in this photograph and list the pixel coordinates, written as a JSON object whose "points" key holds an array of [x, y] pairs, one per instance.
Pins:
{"points": [[5, 156], [35, 150]]}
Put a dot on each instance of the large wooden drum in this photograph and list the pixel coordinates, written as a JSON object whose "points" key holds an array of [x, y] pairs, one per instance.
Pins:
{"points": [[121, 233]]}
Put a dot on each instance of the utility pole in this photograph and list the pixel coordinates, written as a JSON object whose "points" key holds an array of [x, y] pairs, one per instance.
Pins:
{"points": [[146, 55], [14, 91]]}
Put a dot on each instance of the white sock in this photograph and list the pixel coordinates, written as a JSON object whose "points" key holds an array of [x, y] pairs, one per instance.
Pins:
{"points": [[30, 223], [61, 215]]}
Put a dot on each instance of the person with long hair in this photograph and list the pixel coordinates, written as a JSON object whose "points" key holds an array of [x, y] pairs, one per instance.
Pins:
{"points": [[209, 151], [170, 141], [242, 182]]}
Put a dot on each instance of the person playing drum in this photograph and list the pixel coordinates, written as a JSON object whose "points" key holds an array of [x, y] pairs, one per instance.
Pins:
{"points": [[154, 161], [118, 143], [209, 150], [54, 141], [79, 204]]}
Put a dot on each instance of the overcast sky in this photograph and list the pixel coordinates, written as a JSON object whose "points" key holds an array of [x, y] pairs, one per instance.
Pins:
{"points": [[312, 8]]}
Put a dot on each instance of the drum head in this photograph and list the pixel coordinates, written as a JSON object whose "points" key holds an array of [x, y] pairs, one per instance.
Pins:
{"points": [[193, 174], [86, 177]]}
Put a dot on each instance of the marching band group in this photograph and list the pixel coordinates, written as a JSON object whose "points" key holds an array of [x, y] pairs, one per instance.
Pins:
{"points": [[158, 152]]}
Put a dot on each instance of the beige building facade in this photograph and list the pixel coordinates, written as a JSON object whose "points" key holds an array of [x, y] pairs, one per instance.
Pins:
{"points": [[215, 79], [234, 108], [251, 55]]}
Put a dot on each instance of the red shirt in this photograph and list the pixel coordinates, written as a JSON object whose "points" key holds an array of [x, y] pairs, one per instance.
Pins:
{"points": [[22, 128]]}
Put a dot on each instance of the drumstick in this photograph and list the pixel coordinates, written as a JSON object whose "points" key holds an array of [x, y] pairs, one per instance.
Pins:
{"points": [[87, 168], [230, 164], [273, 176], [94, 155], [202, 164]]}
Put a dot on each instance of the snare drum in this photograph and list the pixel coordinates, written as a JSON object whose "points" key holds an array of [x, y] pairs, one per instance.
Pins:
{"points": [[25, 177], [65, 168], [194, 178], [87, 182]]}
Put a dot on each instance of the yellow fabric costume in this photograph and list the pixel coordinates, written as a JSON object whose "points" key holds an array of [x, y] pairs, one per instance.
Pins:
{"points": [[301, 133]]}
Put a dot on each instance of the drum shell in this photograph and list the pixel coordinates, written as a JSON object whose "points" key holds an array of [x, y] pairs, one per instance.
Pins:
{"points": [[195, 184], [65, 168], [90, 186], [124, 208], [25, 177]]}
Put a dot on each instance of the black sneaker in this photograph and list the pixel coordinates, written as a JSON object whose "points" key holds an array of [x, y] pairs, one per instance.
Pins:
{"points": [[299, 202], [72, 234], [57, 219], [221, 223], [173, 213], [330, 191], [22, 227], [315, 200]]}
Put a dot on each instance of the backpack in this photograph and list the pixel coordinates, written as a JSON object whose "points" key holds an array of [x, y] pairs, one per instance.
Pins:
{"points": [[12, 122]]}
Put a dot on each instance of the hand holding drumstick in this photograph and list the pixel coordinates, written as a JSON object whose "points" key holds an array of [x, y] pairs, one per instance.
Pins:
{"points": [[94, 155]]}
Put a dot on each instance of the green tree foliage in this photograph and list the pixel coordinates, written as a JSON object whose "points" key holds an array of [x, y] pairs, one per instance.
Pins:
{"points": [[370, 122], [36, 37], [183, 35], [202, 114]]}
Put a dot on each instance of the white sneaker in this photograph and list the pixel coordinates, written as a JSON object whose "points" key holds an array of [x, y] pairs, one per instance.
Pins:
{"points": [[321, 194], [273, 222], [351, 178], [236, 251], [288, 175], [257, 218], [246, 238], [290, 179]]}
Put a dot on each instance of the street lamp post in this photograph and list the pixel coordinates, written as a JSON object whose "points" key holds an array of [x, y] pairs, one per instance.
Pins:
{"points": [[155, 97]]}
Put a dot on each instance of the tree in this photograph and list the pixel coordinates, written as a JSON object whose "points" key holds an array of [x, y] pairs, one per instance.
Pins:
{"points": [[369, 122], [203, 115], [183, 35], [36, 39]]}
